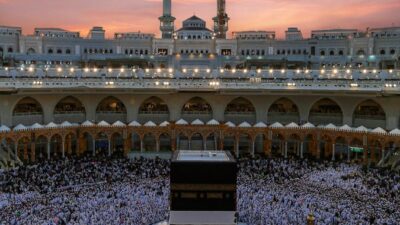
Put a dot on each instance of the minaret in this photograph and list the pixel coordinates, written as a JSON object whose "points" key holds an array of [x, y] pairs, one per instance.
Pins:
{"points": [[221, 20], [167, 21]]}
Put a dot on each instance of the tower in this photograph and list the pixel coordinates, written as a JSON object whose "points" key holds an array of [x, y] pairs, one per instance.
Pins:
{"points": [[221, 20], [167, 21]]}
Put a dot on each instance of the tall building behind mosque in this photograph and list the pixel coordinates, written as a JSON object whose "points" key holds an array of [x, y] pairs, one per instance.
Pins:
{"points": [[196, 44]]}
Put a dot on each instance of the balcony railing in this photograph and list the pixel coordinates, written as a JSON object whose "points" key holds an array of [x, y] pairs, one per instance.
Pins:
{"points": [[208, 80]]}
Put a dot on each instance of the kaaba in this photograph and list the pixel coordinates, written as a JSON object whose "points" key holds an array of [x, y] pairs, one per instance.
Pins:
{"points": [[203, 188]]}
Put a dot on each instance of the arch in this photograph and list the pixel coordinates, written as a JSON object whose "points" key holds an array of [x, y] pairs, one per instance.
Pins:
{"points": [[293, 145], [102, 144], [382, 52], [245, 145], [69, 109], [277, 145], [240, 110], [149, 143], [136, 142], [229, 144], [326, 111], [341, 148], [111, 109], [361, 52], [41, 150], [369, 114], [10, 50], [117, 144], [56, 150], [197, 108], [259, 144], [322, 53], [27, 111], [70, 144], [153, 109], [31, 51], [211, 142], [284, 111], [87, 144], [356, 142], [68, 51], [165, 142], [196, 142], [24, 150], [183, 142]]}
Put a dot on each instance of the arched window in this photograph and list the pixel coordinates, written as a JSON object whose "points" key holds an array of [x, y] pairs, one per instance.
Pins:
{"points": [[50, 51], [341, 52], [326, 111], [369, 114], [68, 51], [153, 105], [197, 105], [361, 52], [382, 52], [284, 111], [31, 51], [59, 51], [392, 51], [10, 50], [278, 52], [322, 53], [332, 53]]}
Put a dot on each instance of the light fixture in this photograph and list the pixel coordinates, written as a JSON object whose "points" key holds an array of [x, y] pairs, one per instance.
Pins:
{"points": [[283, 71], [110, 70], [208, 70], [157, 83], [158, 70], [59, 69], [72, 70], [170, 70], [86, 70], [258, 70], [184, 70], [348, 71], [196, 70], [354, 85]]}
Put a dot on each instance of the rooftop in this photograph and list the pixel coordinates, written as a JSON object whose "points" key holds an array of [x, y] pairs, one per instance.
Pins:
{"points": [[214, 156]]}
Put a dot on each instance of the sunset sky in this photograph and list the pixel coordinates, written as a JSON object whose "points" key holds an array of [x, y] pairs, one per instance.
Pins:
{"points": [[141, 15]]}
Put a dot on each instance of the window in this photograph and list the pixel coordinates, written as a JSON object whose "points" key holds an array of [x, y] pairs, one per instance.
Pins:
{"points": [[59, 51], [85, 51], [383, 52], [10, 50], [332, 52], [392, 51], [322, 52], [341, 52], [50, 51], [68, 51]]}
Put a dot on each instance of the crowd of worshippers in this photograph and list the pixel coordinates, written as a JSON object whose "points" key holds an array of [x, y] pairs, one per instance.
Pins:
{"points": [[101, 190]]}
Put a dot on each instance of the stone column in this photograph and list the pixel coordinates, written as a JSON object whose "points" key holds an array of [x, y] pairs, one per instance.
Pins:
{"points": [[48, 150], [253, 149], [63, 147], [25, 151], [141, 145], [205, 144], [286, 149], [94, 147], [127, 146], [383, 153], [237, 147], [333, 151], [33, 152], [348, 153], [109, 147], [302, 150], [158, 145]]}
